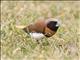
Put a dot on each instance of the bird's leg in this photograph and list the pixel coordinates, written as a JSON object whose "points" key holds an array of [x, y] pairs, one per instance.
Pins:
{"points": [[38, 41], [45, 42]]}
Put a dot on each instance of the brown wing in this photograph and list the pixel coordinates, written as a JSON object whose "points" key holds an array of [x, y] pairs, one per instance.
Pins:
{"points": [[36, 27]]}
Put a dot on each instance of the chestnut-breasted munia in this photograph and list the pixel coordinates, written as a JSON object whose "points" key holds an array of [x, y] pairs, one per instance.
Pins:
{"points": [[42, 28]]}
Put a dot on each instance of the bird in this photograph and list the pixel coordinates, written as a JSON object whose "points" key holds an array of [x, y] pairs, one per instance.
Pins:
{"points": [[42, 28]]}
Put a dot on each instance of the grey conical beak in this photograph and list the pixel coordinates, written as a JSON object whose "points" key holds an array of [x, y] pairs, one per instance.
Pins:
{"points": [[58, 22]]}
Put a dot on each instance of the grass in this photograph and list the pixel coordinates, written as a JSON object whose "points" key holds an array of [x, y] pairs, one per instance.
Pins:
{"points": [[17, 45]]}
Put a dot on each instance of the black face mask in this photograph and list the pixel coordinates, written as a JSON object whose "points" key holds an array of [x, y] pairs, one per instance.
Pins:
{"points": [[52, 25]]}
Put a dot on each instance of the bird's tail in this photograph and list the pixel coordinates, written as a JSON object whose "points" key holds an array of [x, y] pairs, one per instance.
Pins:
{"points": [[20, 26]]}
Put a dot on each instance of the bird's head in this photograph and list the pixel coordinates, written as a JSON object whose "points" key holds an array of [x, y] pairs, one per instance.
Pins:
{"points": [[51, 27]]}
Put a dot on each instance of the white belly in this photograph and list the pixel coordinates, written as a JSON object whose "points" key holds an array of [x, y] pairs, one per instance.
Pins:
{"points": [[37, 36]]}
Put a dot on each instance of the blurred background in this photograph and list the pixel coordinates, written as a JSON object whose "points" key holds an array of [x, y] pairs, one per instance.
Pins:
{"points": [[17, 45]]}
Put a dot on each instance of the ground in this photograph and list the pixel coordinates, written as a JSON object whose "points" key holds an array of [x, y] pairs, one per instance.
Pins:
{"points": [[17, 45]]}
